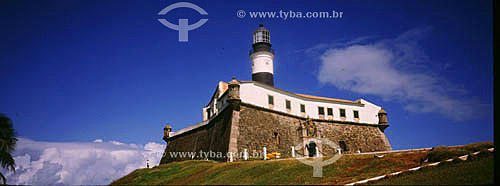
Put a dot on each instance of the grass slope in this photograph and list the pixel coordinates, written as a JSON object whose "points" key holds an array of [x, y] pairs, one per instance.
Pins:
{"points": [[478, 170], [349, 168]]}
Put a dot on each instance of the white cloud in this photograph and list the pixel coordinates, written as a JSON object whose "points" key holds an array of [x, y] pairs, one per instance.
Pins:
{"points": [[396, 70], [76, 163]]}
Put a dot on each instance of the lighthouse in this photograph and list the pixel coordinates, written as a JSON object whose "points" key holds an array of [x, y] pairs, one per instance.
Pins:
{"points": [[239, 112], [262, 56]]}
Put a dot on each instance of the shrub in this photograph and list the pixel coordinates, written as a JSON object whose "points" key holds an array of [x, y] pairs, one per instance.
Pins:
{"points": [[441, 153]]}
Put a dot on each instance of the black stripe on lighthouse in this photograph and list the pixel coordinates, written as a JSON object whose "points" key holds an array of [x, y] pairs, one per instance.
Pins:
{"points": [[264, 77]]}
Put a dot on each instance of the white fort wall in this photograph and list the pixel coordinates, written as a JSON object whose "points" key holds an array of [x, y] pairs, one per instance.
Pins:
{"points": [[257, 94], [218, 101]]}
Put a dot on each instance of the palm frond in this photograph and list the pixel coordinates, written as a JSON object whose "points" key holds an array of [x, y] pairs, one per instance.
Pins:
{"points": [[8, 142]]}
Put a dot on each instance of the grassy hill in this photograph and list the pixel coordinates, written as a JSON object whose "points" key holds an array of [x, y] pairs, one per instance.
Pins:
{"points": [[349, 168], [478, 170]]}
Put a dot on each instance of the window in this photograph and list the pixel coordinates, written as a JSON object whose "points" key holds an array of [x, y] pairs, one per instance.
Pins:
{"points": [[321, 110], [343, 146], [342, 113], [270, 100], [208, 112], [277, 138], [302, 108], [356, 114], [288, 104], [330, 111]]}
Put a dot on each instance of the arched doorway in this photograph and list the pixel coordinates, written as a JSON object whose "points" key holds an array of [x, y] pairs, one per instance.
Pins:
{"points": [[311, 148]]}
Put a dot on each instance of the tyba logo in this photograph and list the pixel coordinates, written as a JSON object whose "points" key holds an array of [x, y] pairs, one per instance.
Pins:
{"points": [[183, 27], [317, 163]]}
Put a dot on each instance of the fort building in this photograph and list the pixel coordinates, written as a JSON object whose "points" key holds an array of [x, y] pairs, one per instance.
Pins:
{"points": [[246, 116]]}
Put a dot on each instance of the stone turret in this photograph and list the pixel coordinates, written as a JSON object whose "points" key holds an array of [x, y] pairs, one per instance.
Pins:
{"points": [[382, 116], [166, 131], [233, 96], [382, 119], [234, 89]]}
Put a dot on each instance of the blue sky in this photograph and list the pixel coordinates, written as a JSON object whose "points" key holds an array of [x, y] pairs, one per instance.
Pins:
{"points": [[76, 71], [102, 78]]}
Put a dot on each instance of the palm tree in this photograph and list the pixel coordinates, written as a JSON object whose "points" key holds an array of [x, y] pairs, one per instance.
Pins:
{"points": [[8, 141]]}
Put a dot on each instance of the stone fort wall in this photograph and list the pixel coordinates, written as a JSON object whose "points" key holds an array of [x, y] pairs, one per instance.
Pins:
{"points": [[244, 126], [258, 128], [214, 136]]}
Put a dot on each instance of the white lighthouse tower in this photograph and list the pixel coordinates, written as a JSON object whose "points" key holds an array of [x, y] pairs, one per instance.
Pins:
{"points": [[262, 56]]}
